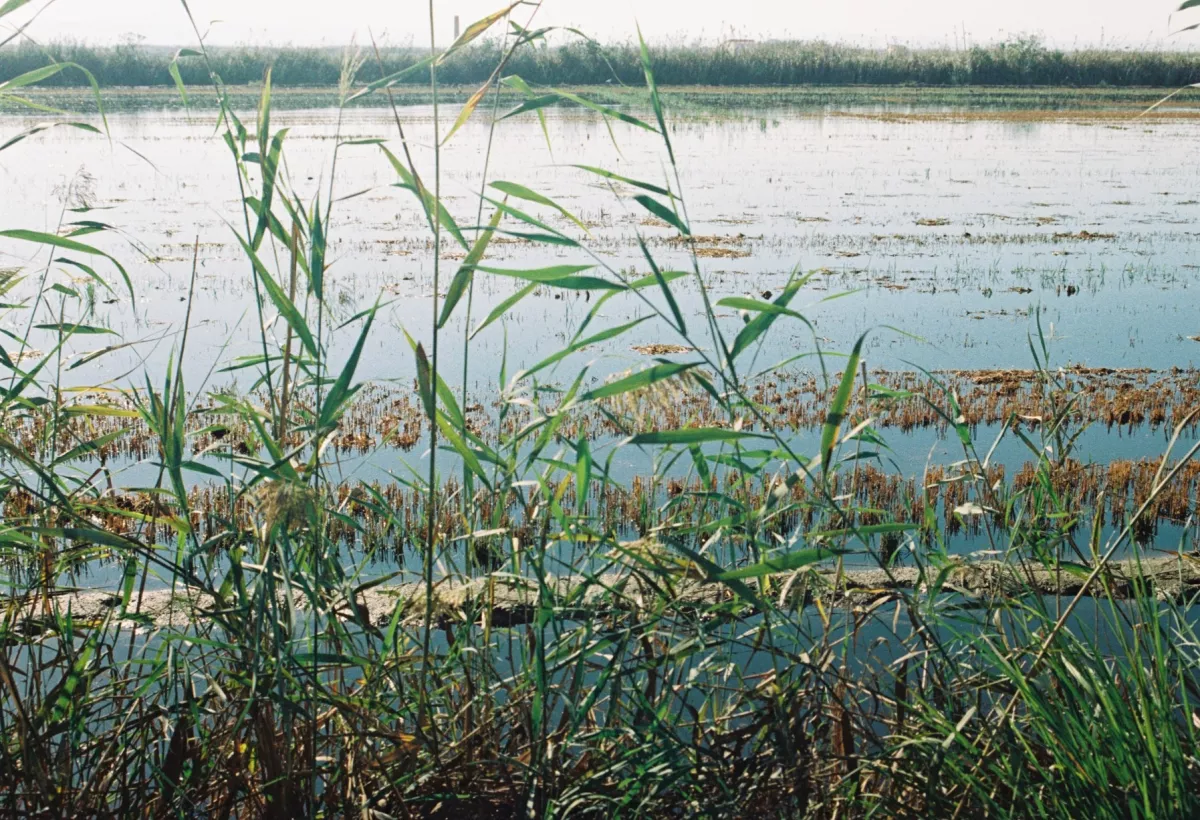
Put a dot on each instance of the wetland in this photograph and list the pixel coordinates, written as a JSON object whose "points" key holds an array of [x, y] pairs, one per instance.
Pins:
{"points": [[606, 452]]}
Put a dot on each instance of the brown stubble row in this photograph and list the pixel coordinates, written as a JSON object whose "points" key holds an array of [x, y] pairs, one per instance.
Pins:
{"points": [[389, 416]]}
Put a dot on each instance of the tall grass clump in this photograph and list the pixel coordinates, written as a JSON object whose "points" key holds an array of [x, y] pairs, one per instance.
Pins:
{"points": [[759, 646]]}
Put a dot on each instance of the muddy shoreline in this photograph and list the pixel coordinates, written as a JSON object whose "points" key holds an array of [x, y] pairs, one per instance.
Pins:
{"points": [[506, 600]]}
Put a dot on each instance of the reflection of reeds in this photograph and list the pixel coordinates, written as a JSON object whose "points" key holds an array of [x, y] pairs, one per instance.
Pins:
{"points": [[1118, 487]]}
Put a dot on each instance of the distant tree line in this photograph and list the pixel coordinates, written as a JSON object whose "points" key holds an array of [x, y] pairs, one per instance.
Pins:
{"points": [[1022, 61]]}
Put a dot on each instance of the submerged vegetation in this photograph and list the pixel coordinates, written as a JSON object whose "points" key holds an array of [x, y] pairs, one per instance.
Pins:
{"points": [[751, 623]]}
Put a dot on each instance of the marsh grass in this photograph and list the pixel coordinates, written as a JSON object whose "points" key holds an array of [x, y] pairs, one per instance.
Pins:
{"points": [[573, 60], [285, 698]]}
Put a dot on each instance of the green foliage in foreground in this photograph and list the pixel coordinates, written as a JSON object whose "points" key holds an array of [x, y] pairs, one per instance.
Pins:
{"points": [[1018, 62], [285, 701]]}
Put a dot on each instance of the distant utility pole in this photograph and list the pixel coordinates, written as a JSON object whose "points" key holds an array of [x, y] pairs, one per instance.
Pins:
{"points": [[456, 27]]}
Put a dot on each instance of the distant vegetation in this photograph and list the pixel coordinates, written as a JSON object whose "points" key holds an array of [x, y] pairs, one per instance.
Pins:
{"points": [[1023, 61]]}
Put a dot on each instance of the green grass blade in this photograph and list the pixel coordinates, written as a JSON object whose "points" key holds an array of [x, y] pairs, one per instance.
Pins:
{"points": [[270, 169], [557, 95], [521, 192], [544, 276], [462, 278], [655, 101], [693, 435], [787, 562], [503, 308], [464, 452], [837, 408], [757, 306], [637, 183], [520, 85], [70, 245], [425, 382], [341, 392], [762, 323], [680, 325], [663, 212], [637, 381], [580, 344], [45, 126], [430, 203], [316, 265], [280, 299], [11, 6]]}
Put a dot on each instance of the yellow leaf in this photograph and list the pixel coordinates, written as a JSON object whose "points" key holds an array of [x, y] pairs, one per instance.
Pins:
{"points": [[475, 29]]}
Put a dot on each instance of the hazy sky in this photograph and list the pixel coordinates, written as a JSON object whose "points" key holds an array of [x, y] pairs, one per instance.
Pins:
{"points": [[1062, 22]]}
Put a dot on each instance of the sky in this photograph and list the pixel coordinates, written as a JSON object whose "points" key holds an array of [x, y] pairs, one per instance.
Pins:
{"points": [[1062, 23]]}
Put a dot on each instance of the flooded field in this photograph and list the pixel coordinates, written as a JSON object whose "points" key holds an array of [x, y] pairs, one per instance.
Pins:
{"points": [[953, 229], [957, 229], [951, 235]]}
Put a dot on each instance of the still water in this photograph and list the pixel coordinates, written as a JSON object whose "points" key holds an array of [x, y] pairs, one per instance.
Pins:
{"points": [[949, 236]]}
